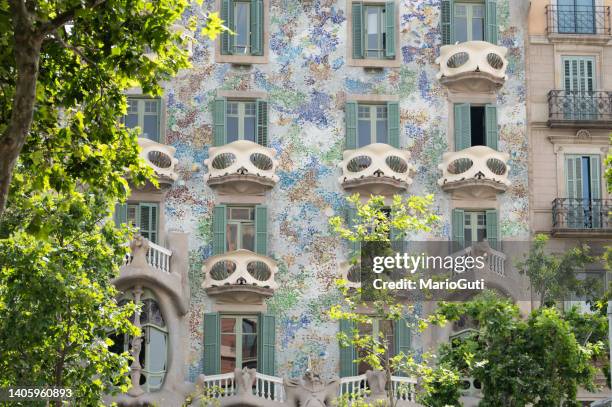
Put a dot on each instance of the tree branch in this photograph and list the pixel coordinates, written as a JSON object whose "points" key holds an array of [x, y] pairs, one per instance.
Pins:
{"points": [[72, 48], [52, 25]]}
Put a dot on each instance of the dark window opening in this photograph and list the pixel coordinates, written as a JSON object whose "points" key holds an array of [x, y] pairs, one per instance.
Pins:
{"points": [[477, 118]]}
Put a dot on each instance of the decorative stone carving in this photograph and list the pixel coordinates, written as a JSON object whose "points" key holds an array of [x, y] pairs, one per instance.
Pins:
{"points": [[583, 134], [377, 382], [160, 157], [241, 167], [311, 391], [377, 169], [245, 380]]}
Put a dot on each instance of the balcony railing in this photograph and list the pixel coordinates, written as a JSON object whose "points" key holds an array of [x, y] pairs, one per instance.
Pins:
{"points": [[586, 109], [578, 20], [581, 215], [474, 168], [143, 252], [473, 65], [242, 167]]}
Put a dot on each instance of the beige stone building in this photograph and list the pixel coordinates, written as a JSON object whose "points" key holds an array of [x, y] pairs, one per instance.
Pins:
{"points": [[569, 100]]}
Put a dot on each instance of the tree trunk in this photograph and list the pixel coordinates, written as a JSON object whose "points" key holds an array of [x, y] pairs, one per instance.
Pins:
{"points": [[27, 55]]}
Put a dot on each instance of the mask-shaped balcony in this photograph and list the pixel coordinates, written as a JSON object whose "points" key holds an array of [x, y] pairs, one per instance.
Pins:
{"points": [[473, 66], [240, 276], [241, 167], [352, 274], [376, 169], [160, 157], [476, 172]]}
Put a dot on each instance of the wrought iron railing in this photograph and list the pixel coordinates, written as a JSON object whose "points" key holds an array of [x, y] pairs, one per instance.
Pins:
{"points": [[581, 214], [578, 19], [567, 105]]}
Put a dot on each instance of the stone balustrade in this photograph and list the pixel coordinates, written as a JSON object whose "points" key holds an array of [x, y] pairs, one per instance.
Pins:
{"points": [[376, 169]]}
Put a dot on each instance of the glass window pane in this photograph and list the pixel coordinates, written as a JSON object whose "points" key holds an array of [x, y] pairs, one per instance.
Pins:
{"points": [[241, 213], [232, 237], [249, 325], [381, 131], [248, 237], [482, 234], [364, 131], [249, 108], [157, 343], [477, 11], [477, 29], [132, 215], [151, 127], [232, 128], [249, 128], [228, 353], [249, 351], [131, 120], [151, 106], [241, 26], [460, 25], [228, 325], [373, 31]]}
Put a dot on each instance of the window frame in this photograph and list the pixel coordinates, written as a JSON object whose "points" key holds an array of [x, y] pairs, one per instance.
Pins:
{"points": [[241, 116], [381, 32], [240, 223], [234, 38], [469, 17], [373, 119], [141, 113], [238, 334], [243, 59], [473, 216]]}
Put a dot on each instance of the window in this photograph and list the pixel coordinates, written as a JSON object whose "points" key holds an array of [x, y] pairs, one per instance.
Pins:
{"points": [[475, 126], [372, 123], [466, 20], [143, 216], [240, 120], [240, 227], [237, 341], [373, 30], [583, 207], [144, 114], [576, 16], [245, 18], [153, 352], [469, 22], [579, 84], [380, 330], [470, 227]]}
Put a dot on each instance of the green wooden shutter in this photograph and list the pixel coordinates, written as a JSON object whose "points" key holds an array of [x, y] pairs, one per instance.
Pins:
{"points": [[257, 24], [492, 228], [212, 344], [262, 122], [491, 126], [350, 109], [463, 127], [121, 214], [227, 10], [390, 29], [261, 230], [219, 133], [267, 344], [446, 19], [393, 124], [458, 225], [219, 224], [351, 220], [402, 340], [491, 21], [348, 353], [357, 30], [573, 176], [595, 177], [148, 221]]}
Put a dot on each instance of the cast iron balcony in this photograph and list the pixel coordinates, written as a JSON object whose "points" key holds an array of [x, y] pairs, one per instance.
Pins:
{"points": [[580, 109], [476, 171], [160, 157], [472, 66], [581, 217], [578, 20], [241, 275], [376, 169], [242, 167]]}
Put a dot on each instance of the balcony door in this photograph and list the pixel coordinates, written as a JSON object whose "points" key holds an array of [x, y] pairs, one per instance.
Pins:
{"points": [[576, 16], [580, 102], [583, 185]]}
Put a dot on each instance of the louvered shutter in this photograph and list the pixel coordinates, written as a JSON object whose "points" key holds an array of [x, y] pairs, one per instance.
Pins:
{"points": [[351, 221], [227, 11], [267, 344], [463, 127], [599, 213], [492, 136], [393, 124], [219, 224], [402, 340], [212, 344], [351, 125], [261, 230], [121, 214], [492, 228], [390, 29], [357, 30], [446, 21], [348, 353], [262, 123], [458, 226], [491, 21], [257, 24], [219, 127], [148, 221]]}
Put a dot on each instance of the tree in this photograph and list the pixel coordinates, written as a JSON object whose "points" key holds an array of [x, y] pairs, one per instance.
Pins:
{"points": [[538, 360], [383, 225], [553, 276], [60, 55]]}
